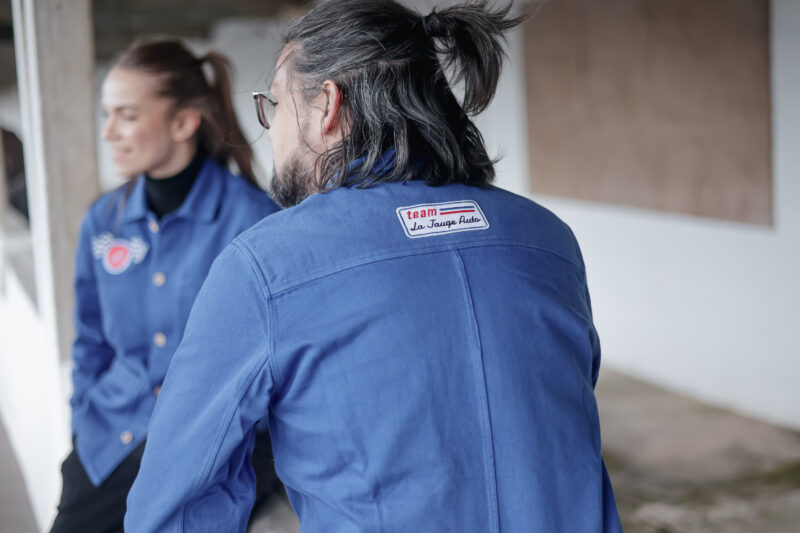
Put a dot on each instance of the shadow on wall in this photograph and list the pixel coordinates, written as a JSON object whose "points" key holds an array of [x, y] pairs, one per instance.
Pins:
{"points": [[15, 173]]}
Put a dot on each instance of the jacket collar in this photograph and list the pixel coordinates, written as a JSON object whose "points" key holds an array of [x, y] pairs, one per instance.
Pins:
{"points": [[384, 164], [201, 203]]}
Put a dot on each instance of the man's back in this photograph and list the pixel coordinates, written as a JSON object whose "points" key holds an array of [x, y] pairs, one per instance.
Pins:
{"points": [[434, 383], [411, 383]]}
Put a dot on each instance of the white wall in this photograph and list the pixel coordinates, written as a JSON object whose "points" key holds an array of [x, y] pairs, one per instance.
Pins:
{"points": [[32, 402], [704, 307]]}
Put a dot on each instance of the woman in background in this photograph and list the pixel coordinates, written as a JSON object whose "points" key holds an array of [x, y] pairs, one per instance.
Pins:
{"points": [[143, 252]]}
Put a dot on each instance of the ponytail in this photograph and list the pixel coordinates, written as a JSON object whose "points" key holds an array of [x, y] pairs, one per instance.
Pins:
{"points": [[390, 63], [471, 38], [220, 128]]}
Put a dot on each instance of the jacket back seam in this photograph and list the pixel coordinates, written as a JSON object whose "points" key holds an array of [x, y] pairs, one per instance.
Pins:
{"points": [[490, 468]]}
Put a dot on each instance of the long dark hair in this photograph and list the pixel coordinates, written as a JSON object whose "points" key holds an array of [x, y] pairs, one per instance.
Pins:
{"points": [[385, 58], [181, 78]]}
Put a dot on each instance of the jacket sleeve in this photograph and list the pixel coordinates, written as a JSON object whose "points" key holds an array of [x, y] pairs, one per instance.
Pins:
{"points": [[91, 354], [196, 473]]}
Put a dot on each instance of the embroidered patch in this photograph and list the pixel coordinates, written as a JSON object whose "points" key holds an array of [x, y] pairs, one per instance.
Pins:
{"points": [[426, 220], [118, 254]]}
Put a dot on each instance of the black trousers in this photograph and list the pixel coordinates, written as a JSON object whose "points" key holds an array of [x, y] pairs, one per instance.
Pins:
{"points": [[85, 508]]}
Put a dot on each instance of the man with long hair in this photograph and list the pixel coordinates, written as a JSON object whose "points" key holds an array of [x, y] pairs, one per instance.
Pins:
{"points": [[419, 342]]}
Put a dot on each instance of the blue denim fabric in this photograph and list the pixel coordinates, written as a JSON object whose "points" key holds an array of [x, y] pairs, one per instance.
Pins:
{"points": [[136, 279], [439, 383]]}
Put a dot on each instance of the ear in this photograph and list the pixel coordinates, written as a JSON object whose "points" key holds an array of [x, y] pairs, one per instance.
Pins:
{"points": [[333, 108], [184, 123]]}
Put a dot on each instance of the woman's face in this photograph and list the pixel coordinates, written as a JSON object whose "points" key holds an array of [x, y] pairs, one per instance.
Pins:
{"points": [[138, 124]]}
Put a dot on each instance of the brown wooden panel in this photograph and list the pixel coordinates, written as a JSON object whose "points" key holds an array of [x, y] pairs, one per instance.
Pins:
{"points": [[662, 104]]}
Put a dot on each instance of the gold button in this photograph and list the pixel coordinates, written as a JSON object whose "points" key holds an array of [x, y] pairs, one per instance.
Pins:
{"points": [[153, 226], [159, 339], [159, 279], [157, 390], [126, 437]]}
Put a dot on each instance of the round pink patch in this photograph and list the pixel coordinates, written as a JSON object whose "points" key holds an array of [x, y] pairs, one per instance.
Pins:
{"points": [[118, 258]]}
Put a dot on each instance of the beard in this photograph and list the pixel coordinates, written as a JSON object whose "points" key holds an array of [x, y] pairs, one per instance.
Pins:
{"points": [[294, 184]]}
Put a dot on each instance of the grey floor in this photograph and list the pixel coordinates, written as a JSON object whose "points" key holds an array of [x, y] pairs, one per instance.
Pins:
{"points": [[16, 515], [682, 466], [276, 517], [676, 465]]}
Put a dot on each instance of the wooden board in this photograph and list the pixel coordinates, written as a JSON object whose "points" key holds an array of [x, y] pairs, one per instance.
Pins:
{"points": [[662, 104]]}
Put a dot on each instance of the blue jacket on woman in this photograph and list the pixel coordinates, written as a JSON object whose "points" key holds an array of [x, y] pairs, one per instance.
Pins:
{"points": [[136, 278]]}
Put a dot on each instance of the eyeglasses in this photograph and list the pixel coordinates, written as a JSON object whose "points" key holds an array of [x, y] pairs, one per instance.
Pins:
{"points": [[265, 104]]}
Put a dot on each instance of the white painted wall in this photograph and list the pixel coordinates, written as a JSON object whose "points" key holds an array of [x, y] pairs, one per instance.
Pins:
{"points": [[32, 404], [704, 307]]}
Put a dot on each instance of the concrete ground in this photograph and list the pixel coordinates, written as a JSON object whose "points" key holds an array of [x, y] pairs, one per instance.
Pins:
{"points": [[16, 515], [681, 466], [676, 465]]}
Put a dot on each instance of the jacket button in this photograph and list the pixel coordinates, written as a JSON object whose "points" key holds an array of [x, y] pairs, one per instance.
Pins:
{"points": [[159, 279], [157, 390], [126, 437], [153, 225], [159, 339]]}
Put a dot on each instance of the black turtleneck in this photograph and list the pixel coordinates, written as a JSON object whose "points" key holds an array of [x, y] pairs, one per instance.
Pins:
{"points": [[165, 195]]}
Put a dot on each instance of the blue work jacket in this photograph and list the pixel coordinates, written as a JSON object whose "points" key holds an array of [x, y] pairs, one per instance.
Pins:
{"points": [[424, 356], [136, 278]]}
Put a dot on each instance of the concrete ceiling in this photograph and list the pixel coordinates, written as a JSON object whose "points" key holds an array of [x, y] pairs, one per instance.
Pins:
{"points": [[118, 22]]}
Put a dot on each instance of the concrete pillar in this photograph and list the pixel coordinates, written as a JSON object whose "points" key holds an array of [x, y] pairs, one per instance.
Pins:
{"points": [[3, 208], [55, 58]]}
